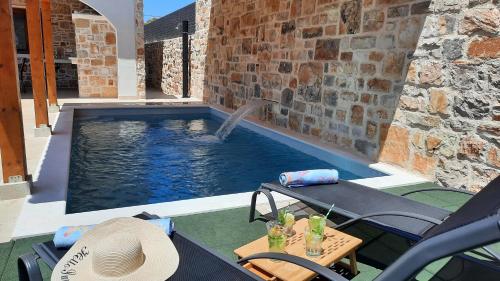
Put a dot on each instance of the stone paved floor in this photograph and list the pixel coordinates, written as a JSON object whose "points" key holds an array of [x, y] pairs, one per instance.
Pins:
{"points": [[226, 230]]}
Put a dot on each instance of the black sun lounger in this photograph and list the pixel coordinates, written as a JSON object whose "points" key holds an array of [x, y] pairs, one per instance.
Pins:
{"points": [[442, 234], [197, 262], [476, 224], [466, 268], [356, 202]]}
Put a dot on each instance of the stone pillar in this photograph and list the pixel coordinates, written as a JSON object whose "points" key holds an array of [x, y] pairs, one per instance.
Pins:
{"points": [[199, 48], [140, 60]]}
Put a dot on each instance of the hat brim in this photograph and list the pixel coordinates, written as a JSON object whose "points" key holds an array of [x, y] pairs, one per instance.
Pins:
{"points": [[161, 257]]}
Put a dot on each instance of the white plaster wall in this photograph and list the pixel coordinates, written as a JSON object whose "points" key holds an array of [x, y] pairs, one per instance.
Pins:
{"points": [[121, 14]]}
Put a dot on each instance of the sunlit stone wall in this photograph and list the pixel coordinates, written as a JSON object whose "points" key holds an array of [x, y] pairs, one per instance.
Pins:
{"points": [[447, 123], [96, 56], [164, 58], [409, 82]]}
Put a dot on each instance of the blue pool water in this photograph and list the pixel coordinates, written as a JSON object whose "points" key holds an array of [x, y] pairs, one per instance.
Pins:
{"points": [[142, 159]]}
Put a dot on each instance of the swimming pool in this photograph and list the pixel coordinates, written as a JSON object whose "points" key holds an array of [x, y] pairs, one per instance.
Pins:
{"points": [[126, 158]]}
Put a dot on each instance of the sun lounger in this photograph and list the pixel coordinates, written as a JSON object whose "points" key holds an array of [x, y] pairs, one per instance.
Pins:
{"points": [[476, 224], [466, 268], [473, 226], [440, 232], [356, 202], [196, 262]]}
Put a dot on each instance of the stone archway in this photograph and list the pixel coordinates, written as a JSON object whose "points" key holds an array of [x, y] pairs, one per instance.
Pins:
{"points": [[123, 16]]}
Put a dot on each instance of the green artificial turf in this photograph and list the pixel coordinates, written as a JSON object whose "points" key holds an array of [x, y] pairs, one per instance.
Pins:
{"points": [[227, 230]]}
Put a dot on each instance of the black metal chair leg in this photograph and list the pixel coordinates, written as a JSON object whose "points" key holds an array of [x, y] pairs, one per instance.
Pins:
{"points": [[270, 198], [252, 206], [28, 268]]}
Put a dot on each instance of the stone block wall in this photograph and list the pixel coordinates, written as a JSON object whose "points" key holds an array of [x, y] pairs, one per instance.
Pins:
{"points": [[164, 58], [66, 73], [63, 38], [164, 65], [447, 123], [62, 26], [96, 56], [199, 42], [154, 64], [334, 68], [411, 82]]}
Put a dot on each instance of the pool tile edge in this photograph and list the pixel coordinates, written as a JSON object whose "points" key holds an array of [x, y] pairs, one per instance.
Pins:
{"points": [[45, 210]]}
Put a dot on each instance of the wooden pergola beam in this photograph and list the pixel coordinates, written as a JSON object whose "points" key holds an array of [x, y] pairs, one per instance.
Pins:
{"points": [[11, 124], [34, 23], [50, 68]]}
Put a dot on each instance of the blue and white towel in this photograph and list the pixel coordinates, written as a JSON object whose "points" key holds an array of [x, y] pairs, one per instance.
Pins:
{"points": [[309, 177], [66, 236]]}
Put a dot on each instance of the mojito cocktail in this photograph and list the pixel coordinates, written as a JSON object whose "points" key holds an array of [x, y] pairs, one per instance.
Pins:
{"points": [[276, 237], [313, 242], [317, 223], [287, 220]]}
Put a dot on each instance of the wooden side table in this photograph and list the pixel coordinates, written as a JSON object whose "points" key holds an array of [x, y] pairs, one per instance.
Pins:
{"points": [[336, 245]]}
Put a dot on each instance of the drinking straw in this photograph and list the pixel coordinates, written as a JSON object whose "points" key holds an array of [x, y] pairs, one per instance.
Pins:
{"points": [[331, 208]]}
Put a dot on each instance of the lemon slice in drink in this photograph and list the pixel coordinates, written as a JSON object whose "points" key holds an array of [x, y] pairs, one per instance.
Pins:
{"points": [[289, 219], [317, 224]]}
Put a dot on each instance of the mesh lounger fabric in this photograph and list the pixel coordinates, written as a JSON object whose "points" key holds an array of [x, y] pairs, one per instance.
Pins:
{"points": [[461, 268], [353, 200], [196, 263], [484, 204]]}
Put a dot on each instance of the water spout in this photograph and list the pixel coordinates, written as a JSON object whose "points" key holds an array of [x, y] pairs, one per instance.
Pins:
{"points": [[239, 114]]}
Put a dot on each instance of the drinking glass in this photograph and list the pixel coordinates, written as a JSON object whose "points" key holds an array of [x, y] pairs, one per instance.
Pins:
{"points": [[317, 223], [287, 220], [313, 242], [276, 237]]}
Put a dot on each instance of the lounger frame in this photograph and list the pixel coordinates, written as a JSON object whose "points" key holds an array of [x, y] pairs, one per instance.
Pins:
{"points": [[267, 188]]}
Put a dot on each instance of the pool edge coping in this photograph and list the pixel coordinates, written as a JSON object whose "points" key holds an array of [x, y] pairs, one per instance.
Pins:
{"points": [[39, 218]]}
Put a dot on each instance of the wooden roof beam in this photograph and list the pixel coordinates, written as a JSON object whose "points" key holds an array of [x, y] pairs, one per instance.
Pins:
{"points": [[34, 21], [50, 68], [11, 125]]}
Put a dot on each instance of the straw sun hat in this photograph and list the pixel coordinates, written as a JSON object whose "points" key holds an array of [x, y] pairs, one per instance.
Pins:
{"points": [[125, 249]]}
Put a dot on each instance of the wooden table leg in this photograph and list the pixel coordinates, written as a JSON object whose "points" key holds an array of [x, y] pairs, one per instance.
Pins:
{"points": [[353, 263]]}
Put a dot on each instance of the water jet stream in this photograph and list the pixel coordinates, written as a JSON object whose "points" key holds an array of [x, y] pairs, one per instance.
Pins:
{"points": [[239, 114]]}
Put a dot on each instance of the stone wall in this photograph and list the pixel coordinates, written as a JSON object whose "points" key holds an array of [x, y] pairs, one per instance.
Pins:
{"points": [[164, 66], [335, 68], [446, 126], [338, 72], [96, 56], [63, 38], [164, 58], [154, 64], [66, 73], [199, 44], [139, 41]]}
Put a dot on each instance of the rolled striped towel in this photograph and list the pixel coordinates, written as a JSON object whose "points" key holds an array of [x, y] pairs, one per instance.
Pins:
{"points": [[66, 236], [309, 177]]}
